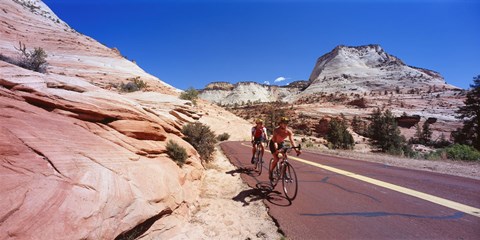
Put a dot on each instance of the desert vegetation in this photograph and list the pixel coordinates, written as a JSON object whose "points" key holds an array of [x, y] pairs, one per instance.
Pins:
{"points": [[190, 94], [133, 85], [176, 152], [35, 60], [338, 135], [223, 137], [469, 134], [202, 138], [381, 128], [384, 133]]}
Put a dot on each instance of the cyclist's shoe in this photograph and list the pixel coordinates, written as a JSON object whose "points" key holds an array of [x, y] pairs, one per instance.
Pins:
{"points": [[252, 160]]}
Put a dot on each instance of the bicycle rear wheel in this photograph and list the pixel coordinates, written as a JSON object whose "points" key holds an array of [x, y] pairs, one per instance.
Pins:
{"points": [[259, 162], [289, 181], [275, 173]]}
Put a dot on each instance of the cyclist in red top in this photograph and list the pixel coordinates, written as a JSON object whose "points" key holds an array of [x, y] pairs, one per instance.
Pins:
{"points": [[259, 134]]}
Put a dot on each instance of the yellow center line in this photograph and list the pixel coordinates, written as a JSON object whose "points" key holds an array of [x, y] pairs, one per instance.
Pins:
{"points": [[434, 199]]}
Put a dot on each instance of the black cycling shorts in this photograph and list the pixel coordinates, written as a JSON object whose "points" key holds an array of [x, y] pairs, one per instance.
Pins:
{"points": [[272, 146]]}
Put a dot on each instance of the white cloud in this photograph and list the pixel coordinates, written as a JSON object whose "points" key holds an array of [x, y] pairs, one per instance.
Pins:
{"points": [[280, 79], [266, 82]]}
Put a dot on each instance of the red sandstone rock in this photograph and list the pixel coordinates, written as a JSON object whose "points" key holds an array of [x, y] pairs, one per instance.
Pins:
{"points": [[78, 161]]}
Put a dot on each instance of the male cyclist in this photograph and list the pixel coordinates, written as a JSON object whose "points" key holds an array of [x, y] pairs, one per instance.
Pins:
{"points": [[259, 134], [279, 135]]}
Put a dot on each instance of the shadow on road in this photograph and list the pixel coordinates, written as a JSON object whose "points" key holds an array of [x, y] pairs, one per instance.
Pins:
{"points": [[248, 171], [262, 191]]}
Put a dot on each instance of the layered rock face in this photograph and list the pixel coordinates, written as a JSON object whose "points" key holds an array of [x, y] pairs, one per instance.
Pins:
{"points": [[357, 70], [368, 68], [245, 92], [78, 161], [354, 81], [69, 52]]}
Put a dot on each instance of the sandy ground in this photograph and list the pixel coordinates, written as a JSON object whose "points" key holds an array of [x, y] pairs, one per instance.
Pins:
{"points": [[225, 210]]}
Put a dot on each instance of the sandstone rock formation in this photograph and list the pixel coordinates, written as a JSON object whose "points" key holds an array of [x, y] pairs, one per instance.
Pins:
{"points": [[353, 81], [246, 92], [69, 52], [79, 161], [369, 68]]}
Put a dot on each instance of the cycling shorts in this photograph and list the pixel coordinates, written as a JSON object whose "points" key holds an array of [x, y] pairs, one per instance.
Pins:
{"points": [[272, 146]]}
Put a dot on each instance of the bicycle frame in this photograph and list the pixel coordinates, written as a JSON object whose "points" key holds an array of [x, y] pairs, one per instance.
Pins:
{"points": [[259, 157], [285, 171]]}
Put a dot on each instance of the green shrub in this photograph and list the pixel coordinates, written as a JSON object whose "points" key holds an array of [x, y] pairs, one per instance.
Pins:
{"points": [[134, 85], [437, 155], [462, 152], [35, 60], [384, 132], [190, 94], [176, 152], [338, 135], [455, 152], [469, 134], [223, 137], [201, 137]]}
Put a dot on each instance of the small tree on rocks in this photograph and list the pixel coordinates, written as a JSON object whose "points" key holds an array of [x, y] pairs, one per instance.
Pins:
{"points": [[201, 137]]}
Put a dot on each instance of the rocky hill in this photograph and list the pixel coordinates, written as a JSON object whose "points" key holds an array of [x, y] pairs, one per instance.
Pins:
{"points": [[246, 92], [352, 81], [80, 159], [344, 70], [366, 69]]}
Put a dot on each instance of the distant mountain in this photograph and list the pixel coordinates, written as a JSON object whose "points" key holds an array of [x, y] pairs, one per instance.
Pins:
{"points": [[345, 69], [245, 92], [368, 68]]}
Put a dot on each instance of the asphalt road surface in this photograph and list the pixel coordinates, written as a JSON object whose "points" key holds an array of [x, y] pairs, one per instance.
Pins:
{"points": [[341, 198]]}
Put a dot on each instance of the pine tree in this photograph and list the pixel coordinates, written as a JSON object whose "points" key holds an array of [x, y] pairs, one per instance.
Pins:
{"points": [[469, 134], [358, 126], [338, 134], [426, 133], [384, 132], [418, 135]]}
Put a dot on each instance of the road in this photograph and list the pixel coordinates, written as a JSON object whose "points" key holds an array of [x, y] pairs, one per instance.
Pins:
{"points": [[341, 198]]}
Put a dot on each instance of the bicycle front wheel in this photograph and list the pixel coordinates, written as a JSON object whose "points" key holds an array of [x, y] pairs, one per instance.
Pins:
{"points": [[289, 181]]}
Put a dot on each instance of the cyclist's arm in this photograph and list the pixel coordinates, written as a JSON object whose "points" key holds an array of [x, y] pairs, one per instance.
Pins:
{"points": [[290, 137], [275, 144], [252, 137]]}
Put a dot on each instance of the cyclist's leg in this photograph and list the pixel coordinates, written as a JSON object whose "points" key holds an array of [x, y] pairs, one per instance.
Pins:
{"points": [[254, 149], [275, 159], [263, 147]]}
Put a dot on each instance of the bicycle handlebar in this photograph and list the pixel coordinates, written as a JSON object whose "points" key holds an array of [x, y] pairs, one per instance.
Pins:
{"points": [[287, 149]]}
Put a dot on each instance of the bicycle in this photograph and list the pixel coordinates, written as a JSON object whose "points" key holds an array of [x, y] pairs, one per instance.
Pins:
{"points": [[258, 157], [286, 172]]}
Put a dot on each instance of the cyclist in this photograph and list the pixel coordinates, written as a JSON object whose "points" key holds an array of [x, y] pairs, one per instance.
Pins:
{"points": [[279, 135], [259, 134]]}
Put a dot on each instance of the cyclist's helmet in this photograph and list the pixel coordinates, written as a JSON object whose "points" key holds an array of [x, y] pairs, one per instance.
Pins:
{"points": [[259, 120], [284, 120]]}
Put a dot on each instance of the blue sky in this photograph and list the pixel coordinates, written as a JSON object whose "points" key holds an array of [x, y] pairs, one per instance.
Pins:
{"points": [[189, 43]]}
